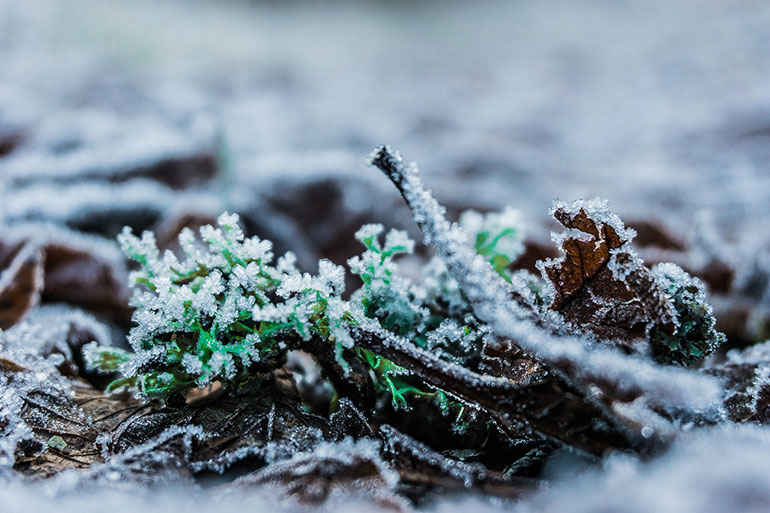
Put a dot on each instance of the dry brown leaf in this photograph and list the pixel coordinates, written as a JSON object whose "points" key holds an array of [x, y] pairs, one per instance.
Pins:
{"points": [[600, 285]]}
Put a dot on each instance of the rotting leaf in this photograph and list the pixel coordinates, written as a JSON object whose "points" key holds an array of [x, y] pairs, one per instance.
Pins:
{"points": [[21, 281]]}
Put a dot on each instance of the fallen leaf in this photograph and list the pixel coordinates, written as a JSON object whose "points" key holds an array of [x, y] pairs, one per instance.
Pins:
{"points": [[81, 277], [21, 281], [600, 285]]}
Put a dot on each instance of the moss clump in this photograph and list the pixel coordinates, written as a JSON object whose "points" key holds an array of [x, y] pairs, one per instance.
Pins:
{"points": [[695, 336]]}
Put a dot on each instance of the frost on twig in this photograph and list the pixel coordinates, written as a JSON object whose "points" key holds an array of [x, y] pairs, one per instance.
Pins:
{"points": [[603, 375]]}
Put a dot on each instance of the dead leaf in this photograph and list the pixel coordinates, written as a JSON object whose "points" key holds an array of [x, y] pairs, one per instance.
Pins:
{"points": [[343, 471], [600, 285], [21, 281], [746, 377], [81, 277]]}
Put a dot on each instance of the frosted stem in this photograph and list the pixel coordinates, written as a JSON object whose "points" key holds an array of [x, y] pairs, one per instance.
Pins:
{"points": [[578, 361]]}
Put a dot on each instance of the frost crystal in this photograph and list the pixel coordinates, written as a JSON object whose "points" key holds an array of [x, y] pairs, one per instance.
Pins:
{"points": [[13, 429]]}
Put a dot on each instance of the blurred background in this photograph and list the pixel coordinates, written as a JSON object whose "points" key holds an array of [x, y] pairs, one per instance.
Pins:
{"points": [[159, 114]]}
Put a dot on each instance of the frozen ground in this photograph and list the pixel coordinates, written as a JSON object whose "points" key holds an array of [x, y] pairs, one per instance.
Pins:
{"points": [[663, 108]]}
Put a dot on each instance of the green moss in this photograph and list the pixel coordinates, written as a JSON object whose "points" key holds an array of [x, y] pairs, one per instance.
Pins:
{"points": [[695, 336]]}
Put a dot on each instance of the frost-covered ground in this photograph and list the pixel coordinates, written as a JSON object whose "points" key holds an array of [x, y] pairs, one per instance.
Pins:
{"points": [[663, 108]]}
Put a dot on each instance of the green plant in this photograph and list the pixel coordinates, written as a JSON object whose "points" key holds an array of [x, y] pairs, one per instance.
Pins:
{"points": [[222, 313], [695, 336]]}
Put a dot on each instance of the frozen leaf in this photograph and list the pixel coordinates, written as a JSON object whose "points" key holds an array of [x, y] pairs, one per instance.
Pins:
{"points": [[103, 208], [97, 147], [333, 473], [78, 269], [21, 281], [258, 427], [422, 467], [63, 331], [83, 277], [600, 284], [159, 463], [746, 374], [40, 403], [36, 405]]}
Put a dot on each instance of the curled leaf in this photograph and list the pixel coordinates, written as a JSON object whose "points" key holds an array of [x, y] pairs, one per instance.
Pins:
{"points": [[600, 284]]}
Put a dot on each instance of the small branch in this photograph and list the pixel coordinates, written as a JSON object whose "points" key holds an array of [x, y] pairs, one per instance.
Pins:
{"points": [[515, 406]]}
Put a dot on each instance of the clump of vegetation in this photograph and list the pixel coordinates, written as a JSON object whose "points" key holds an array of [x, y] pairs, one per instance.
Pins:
{"points": [[224, 312], [484, 346], [695, 336]]}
